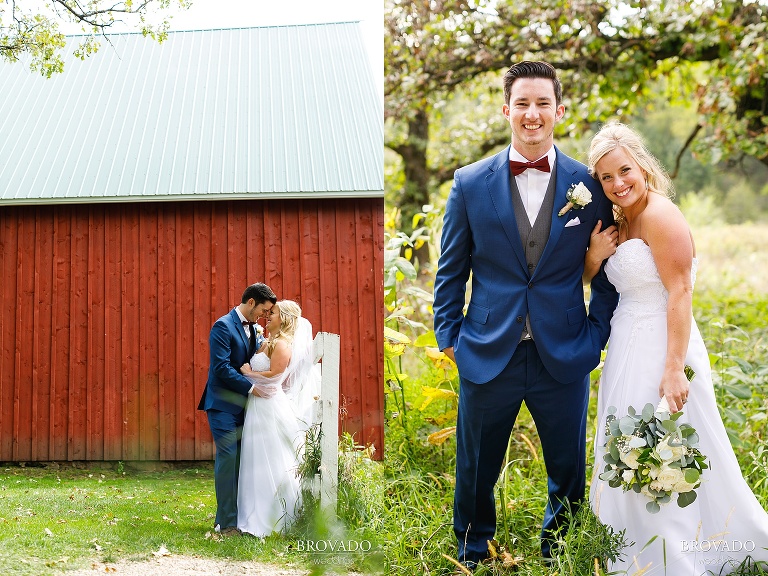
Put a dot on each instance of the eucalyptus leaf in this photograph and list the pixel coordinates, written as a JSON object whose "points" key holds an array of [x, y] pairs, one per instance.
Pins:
{"points": [[686, 498], [648, 411], [669, 425], [692, 475], [627, 425], [636, 442], [665, 454], [607, 476], [652, 507]]}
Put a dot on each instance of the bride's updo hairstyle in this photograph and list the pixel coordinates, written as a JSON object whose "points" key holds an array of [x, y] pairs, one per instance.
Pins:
{"points": [[615, 135], [290, 312]]}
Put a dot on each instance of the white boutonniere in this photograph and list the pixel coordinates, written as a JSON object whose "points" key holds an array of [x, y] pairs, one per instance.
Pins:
{"points": [[578, 196], [259, 329]]}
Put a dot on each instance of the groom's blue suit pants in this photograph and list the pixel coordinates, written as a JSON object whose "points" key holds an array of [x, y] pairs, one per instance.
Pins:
{"points": [[487, 413], [227, 430]]}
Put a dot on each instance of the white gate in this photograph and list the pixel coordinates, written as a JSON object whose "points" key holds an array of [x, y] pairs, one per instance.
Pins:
{"points": [[327, 349]]}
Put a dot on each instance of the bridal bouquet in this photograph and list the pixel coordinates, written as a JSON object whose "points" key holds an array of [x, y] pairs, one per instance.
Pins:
{"points": [[653, 454]]}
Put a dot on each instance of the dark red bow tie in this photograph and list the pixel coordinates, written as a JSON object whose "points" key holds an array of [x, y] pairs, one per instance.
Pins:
{"points": [[246, 323], [520, 167]]}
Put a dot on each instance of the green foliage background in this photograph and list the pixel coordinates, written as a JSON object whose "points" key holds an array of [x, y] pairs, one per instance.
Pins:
{"points": [[730, 305]]}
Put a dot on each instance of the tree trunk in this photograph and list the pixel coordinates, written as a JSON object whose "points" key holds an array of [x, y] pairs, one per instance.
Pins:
{"points": [[416, 189]]}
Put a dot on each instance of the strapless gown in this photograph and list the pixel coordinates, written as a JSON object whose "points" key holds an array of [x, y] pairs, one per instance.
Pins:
{"points": [[269, 495], [726, 522]]}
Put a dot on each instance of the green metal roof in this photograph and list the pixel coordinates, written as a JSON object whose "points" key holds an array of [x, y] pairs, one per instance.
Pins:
{"points": [[272, 112]]}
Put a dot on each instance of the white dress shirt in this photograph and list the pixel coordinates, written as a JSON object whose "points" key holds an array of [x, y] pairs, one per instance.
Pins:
{"points": [[246, 327], [533, 183]]}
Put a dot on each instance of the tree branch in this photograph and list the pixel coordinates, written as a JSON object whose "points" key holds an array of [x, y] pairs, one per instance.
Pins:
{"points": [[688, 142]]}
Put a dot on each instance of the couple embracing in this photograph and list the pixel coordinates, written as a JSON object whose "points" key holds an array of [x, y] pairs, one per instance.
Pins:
{"points": [[258, 399], [531, 225]]}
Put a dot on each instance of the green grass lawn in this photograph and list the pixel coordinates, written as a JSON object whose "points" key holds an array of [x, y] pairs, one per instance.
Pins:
{"points": [[52, 520]]}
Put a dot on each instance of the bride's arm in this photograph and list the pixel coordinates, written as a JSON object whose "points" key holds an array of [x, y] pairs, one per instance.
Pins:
{"points": [[601, 245], [670, 241], [278, 362]]}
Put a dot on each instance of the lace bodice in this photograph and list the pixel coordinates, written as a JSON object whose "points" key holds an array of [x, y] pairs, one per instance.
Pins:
{"points": [[633, 272], [260, 362]]}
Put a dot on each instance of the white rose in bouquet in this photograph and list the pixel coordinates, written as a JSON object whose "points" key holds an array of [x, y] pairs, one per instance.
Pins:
{"points": [[630, 458], [669, 477], [683, 487], [669, 453]]}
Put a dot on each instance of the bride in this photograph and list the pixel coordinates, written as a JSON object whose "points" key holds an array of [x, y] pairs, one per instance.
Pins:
{"points": [[277, 416], [653, 336]]}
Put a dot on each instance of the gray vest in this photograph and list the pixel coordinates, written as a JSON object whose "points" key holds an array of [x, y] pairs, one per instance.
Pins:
{"points": [[534, 237]]}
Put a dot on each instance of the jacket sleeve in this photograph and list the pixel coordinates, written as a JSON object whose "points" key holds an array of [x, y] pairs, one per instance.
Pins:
{"points": [[452, 269], [221, 360]]}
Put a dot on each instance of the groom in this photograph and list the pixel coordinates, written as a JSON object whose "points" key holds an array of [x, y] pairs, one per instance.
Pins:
{"points": [[526, 335], [233, 341]]}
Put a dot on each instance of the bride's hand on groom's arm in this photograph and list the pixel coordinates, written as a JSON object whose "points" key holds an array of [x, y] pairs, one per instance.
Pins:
{"points": [[245, 370], [602, 244]]}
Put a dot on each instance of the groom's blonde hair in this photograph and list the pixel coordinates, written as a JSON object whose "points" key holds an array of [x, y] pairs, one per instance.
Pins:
{"points": [[290, 312]]}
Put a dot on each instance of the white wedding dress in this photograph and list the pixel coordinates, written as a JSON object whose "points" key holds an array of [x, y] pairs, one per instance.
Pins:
{"points": [[726, 522], [269, 492]]}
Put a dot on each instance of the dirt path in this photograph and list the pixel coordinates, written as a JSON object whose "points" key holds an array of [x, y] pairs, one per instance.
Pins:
{"points": [[190, 566]]}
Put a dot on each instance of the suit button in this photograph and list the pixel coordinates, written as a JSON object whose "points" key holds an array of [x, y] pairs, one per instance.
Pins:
{"points": [[530, 285], [519, 319], [531, 266], [531, 243]]}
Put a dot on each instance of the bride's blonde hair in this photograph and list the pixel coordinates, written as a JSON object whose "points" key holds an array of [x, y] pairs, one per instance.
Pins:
{"points": [[290, 312], [615, 135]]}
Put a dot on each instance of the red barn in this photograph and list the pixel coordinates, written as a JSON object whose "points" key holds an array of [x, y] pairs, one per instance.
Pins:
{"points": [[142, 190]]}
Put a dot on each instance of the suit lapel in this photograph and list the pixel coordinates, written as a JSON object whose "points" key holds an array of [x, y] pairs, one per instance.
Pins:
{"points": [[239, 329], [564, 172], [498, 182]]}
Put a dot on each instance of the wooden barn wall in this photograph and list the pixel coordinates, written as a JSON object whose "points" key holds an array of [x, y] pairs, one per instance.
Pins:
{"points": [[106, 311]]}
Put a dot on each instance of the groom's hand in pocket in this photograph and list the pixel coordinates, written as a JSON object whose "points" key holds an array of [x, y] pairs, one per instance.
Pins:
{"points": [[449, 352]]}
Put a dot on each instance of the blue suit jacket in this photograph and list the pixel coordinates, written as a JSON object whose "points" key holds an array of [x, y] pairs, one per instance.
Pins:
{"points": [[480, 235], [227, 389]]}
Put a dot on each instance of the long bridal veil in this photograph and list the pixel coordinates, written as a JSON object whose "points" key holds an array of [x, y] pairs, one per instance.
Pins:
{"points": [[301, 378], [274, 438]]}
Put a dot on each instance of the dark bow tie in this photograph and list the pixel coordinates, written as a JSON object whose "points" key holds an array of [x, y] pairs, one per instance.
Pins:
{"points": [[246, 323], [520, 167]]}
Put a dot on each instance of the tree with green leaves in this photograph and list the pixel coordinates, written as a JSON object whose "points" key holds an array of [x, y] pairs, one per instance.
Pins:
{"points": [[611, 54], [32, 28]]}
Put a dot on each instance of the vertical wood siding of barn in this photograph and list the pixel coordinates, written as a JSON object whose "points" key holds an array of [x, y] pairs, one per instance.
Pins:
{"points": [[105, 312]]}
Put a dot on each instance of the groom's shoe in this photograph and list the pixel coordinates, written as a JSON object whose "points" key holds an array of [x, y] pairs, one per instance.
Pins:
{"points": [[231, 531]]}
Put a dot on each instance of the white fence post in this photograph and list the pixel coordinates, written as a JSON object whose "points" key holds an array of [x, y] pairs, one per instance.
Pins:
{"points": [[327, 347]]}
